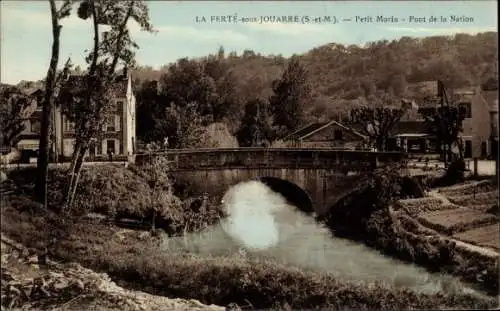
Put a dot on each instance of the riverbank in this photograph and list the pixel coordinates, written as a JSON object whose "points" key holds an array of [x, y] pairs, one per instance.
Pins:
{"points": [[54, 286], [134, 260], [430, 230]]}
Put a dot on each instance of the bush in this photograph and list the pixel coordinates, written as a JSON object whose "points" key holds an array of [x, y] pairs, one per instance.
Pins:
{"points": [[366, 215], [119, 192], [141, 264], [455, 173]]}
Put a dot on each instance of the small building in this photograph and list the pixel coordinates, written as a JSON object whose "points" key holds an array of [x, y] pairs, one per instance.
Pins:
{"points": [[118, 137], [476, 125], [325, 135], [414, 137]]}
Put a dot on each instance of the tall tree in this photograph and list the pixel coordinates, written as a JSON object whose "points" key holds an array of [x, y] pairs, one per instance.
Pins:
{"points": [[48, 103], [112, 47], [446, 124], [377, 118], [291, 94], [255, 129], [13, 109], [185, 126]]}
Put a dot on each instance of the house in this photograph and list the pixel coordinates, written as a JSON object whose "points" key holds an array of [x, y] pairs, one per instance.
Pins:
{"points": [[490, 93], [325, 135], [119, 130], [472, 102], [476, 125]]}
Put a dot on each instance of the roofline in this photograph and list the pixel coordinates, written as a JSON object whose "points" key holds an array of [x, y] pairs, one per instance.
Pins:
{"points": [[297, 130], [330, 123]]}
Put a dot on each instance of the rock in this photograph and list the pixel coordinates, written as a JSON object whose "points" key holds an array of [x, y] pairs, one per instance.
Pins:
{"points": [[60, 284]]}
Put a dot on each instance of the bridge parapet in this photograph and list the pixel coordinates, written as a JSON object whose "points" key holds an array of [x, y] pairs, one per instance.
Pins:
{"points": [[275, 158]]}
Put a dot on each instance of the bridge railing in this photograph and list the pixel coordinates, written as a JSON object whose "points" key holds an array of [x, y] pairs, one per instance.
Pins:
{"points": [[273, 158], [246, 149]]}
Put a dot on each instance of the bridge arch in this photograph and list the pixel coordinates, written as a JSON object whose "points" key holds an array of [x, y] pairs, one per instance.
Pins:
{"points": [[294, 194]]}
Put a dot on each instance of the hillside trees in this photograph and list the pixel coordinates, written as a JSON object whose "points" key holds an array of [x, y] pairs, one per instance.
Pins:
{"points": [[256, 125], [291, 94], [190, 93]]}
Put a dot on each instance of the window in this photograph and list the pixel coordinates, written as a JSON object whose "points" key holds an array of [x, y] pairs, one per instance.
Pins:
{"points": [[68, 125], [118, 122], [110, 123], [35, 126], [465, 109], [337, 135], [110, 146]]}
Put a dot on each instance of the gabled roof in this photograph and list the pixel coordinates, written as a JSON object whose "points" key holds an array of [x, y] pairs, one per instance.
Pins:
{"points": [[313, 128], [299, 133]]}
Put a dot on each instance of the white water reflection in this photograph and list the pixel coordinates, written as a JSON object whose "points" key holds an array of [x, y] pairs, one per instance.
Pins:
{"points": [[261, 225]]}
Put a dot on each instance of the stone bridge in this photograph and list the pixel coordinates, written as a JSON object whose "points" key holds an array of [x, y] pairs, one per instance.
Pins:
{"points": [[311, 179]]}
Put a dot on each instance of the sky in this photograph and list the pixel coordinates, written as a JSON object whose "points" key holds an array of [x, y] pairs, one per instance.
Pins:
{"points": [[26, 34]]}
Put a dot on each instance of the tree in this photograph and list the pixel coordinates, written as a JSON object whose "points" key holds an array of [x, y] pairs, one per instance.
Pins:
{"points": [[446, 124], [50, 91], [255, 129], [185, 126], [112, 47], [291, 94], [224, 101], [151, 113], [377, 119], [14, 108]]}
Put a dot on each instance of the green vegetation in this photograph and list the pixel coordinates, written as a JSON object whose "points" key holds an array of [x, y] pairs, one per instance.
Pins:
{"points": [[339, 77], [367, 215], [136, 261], [116, 191]]}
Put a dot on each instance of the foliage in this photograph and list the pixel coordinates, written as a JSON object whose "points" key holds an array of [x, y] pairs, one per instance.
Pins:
{"points": [[14, 108], [377, 119], [455, 173], [446, 125], [291, 94], [91, 97], [256, 127], [367, 215], [218, 135], [139, 262], [184, 126], [139, 193], [340, 74]]}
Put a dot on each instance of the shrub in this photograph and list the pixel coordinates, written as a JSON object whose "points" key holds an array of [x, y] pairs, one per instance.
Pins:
{"points": [[366, 215], [141, 193], [142, 265], [455, 173]]}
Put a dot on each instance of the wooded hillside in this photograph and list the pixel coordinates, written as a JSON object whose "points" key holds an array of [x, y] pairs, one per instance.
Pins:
{"points": [[338, 73]]}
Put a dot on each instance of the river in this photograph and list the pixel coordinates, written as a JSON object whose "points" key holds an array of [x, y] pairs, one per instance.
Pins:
{"points": [[262, 225]]}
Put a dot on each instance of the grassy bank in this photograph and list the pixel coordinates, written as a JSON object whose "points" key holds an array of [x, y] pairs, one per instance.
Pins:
{"points": [[120, 192], [368, 216], [134, 260]]}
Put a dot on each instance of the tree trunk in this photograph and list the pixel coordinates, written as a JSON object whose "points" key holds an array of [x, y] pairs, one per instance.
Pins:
{"points": [[44, 145], [76, 176]]}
